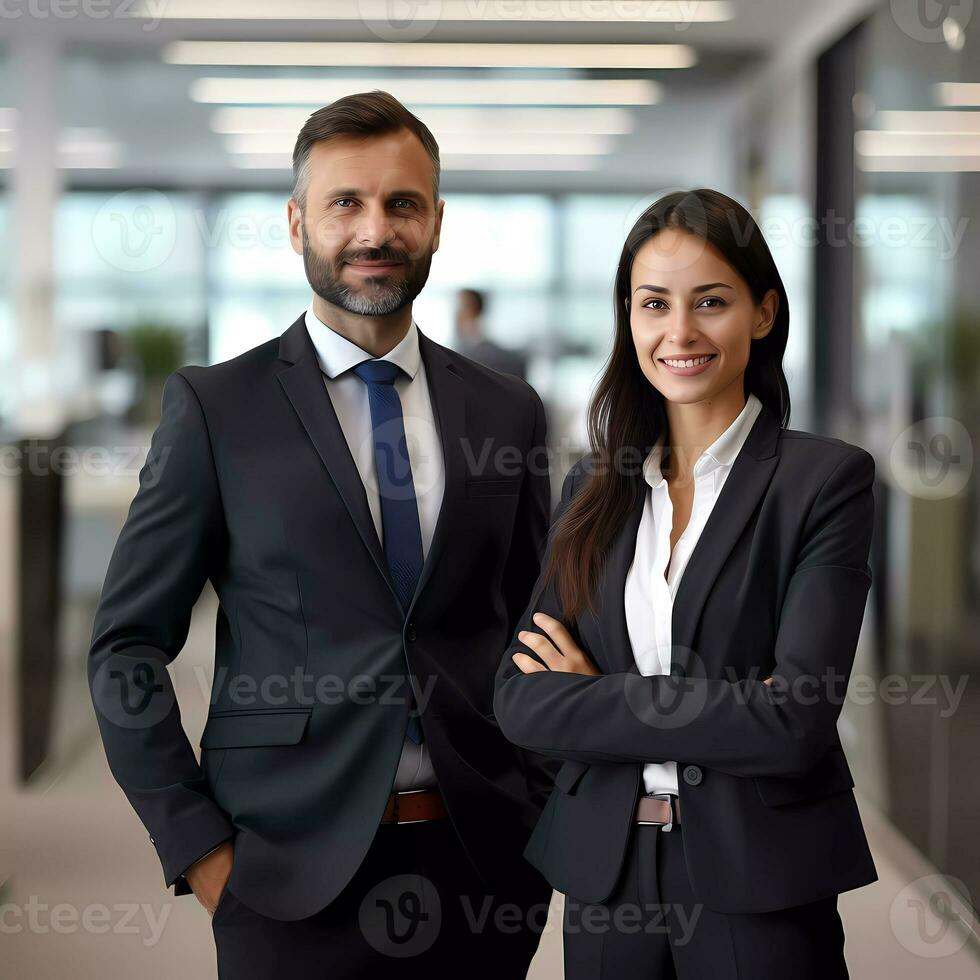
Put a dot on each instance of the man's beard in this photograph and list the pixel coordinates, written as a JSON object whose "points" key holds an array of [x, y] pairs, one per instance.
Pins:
{"points": [[379, 295]]}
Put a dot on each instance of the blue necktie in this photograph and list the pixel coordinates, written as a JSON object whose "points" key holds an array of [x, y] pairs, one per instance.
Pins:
{"points": [[396, 489]]}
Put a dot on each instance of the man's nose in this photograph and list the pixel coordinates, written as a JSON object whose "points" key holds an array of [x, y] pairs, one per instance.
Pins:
{"points": [[373, 228]]}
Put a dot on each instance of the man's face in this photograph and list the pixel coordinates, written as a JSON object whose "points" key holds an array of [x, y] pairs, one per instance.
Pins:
{"points": [[370, 225]]}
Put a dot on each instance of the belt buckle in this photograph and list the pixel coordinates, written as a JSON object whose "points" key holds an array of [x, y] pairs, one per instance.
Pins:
{"points": [[669, 797], [408, 792]]}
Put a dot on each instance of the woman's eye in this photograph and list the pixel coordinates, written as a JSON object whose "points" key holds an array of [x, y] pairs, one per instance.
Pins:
{"points": [[649, 307], [714, 299]]}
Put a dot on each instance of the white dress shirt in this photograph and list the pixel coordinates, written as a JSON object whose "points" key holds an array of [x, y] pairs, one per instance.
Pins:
{"points": [[349, 396], [649, 592]]}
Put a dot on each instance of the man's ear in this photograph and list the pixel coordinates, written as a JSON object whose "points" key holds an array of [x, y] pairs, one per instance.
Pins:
{"points": [[294, 218], [440, 206]]}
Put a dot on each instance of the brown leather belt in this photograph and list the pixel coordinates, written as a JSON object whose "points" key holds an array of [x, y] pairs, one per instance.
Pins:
{"points": [[661, 808], [414, 806]]}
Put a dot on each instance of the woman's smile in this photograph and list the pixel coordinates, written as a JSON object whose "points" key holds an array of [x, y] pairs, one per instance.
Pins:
{"points": [[688, 366]]}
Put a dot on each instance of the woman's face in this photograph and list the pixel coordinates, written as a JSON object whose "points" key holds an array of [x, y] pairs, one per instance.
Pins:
{"points": [[686, 300]]}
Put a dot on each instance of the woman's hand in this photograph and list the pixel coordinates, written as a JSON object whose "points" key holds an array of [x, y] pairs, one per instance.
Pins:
{"points": [[557, 649]]}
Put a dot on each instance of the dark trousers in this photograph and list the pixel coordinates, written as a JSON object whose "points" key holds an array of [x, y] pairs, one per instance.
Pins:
{"points": [[651, 928], [415, 908]]}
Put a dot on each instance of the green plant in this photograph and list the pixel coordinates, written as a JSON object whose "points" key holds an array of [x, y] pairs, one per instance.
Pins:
{"points": [[158, 347]]}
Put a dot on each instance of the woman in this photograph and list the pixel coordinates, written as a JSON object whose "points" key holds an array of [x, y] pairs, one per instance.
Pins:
{"points": [[687, 647]]}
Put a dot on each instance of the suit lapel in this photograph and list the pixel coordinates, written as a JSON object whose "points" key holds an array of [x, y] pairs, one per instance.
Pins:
{"points": [[741, 493], [303, 384], [448, 396], [746, 484]]}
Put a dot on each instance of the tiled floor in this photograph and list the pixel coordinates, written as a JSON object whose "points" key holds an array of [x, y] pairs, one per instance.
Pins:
{"points": [[84, 895]]}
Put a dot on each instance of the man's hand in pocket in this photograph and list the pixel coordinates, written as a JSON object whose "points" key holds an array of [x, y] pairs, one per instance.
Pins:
{"points": [[208, 876]]}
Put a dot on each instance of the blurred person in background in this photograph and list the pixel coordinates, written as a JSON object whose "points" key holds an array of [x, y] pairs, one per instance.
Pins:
{"points": [[356, 811], [471, 341], [688, 645]]}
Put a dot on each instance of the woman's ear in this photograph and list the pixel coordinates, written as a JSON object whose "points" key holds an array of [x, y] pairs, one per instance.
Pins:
{"points": [[767, 314]]}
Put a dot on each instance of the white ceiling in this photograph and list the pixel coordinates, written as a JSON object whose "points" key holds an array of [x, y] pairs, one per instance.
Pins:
{"points": [[116, 86]]}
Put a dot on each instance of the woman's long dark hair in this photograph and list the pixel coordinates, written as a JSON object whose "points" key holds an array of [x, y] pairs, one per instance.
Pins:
{"points": [[626, 414]]}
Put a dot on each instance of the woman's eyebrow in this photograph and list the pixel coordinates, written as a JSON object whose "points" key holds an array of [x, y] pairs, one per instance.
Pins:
{"points": [[696, 289]]}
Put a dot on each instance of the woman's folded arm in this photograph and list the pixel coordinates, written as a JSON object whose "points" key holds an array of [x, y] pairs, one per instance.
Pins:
{"points": [[743, 727]]}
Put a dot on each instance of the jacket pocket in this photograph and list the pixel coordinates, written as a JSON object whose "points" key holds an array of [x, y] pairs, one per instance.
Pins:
{"points": [[830, 775], [239, 729]]}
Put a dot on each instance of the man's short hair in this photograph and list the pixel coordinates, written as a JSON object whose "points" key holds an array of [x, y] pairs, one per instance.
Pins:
{"points": [[362, 115]]}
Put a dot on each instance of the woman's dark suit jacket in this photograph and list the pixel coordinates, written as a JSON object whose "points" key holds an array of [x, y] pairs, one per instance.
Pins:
{"points": [[776, 585]]}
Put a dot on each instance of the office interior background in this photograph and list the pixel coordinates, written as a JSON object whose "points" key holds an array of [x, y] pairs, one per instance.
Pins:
{"points": [[144, 172]]}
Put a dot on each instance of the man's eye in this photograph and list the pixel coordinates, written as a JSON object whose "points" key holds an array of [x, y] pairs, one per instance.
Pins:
{"points": [[402, 203], [344, 202]]}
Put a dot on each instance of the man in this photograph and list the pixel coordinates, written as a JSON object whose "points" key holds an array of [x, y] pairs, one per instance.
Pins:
{"points": [[471, 341], [371, 510]]}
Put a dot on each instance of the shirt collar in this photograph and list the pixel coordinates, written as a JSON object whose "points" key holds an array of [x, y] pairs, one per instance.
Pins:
{"points": [[337, 354], [721, 452]]}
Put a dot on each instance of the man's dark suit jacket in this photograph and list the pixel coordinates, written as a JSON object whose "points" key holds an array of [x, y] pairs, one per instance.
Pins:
{"points": [[776, 585], [250, 483]]}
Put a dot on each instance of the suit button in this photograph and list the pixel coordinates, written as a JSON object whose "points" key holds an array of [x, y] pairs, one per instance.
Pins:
{"points": [[410, 633], [693, 775]]}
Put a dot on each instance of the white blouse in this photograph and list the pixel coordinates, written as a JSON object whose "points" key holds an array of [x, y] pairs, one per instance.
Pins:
{"points": [[649, 595]]}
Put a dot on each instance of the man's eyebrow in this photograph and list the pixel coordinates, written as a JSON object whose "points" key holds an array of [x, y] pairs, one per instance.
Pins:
{"points": [[355, 192], [696, 289]]}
